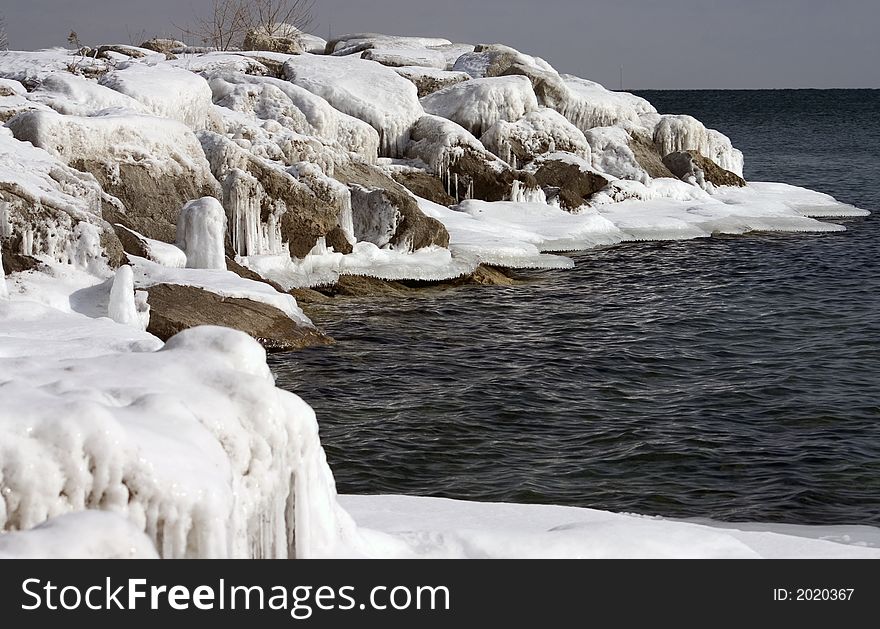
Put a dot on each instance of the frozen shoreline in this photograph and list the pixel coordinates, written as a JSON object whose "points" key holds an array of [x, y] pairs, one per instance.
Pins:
{"points": [[110, 188]]}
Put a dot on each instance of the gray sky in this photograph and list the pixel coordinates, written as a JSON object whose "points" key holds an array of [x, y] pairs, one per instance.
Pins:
{"points": [[661, 43]]}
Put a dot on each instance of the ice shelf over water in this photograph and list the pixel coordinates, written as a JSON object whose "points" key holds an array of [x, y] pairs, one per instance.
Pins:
{"points": [[115, 444]]}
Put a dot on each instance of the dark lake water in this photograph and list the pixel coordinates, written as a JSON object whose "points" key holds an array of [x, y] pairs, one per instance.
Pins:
{"points": [[730, 378]]}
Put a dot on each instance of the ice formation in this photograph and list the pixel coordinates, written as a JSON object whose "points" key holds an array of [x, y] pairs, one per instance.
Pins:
{"points": [[610, 153], [363, 89], [682, 133], [538, 132], [74, 95], [4, 291], [201, 233], [478, 104], [126, 306]]}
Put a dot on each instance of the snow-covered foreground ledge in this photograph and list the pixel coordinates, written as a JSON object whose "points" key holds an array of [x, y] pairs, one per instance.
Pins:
{"points": [[417, 527]]}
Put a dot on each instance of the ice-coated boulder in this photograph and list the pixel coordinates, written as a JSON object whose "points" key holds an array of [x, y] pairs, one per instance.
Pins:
{"points": [[269, 207], [294, 108], [363, 89], [358, 42], [152, 165], [686, 133], [201, 234], [611, 153], [568, 179], [536, 133], [166, 91], [74, 95], [260, 39], [462, 163], [50, 209], [478, 104]]}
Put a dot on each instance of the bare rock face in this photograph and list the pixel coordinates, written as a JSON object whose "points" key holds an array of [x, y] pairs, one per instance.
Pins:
{"points": [[174, 308], [430, 80], [647, 156], [423, 184], [695, 168], [385, 213], [575, 186], [257, 39], [165, 46]]}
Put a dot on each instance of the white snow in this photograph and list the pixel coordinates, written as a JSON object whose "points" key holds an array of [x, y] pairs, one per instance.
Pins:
{"points": [[74, 95], [87, 534], [166, 91], [363, 89], [31, 67], [358, 42], [801, 200], [201, 233], [592, 105], [416, 527], [478, 104]]}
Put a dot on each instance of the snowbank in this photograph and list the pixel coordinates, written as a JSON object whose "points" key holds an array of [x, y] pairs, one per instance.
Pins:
{"points": [[415, 527]]}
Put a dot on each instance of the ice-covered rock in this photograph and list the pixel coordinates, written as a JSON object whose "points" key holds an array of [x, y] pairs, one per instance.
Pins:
{"points": [[567, 180], [402, 55], [385, 213], [201, 234], [538, 132], [32, 67], [192, 444], [166, 91], [359, 42], [295, 108], [462, 163], [592, 105], [611, 153], [430, 80], [153, 165], [159, 252], [49, 209], [686, 133], [74, 95], [363, 89], [478, 104], [4, 291], [270, 210]]}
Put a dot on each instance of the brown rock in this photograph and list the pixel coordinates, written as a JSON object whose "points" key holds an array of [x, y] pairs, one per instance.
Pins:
{"points": [[337, 239], [414, 230], [423, 184], [255, 39], [648, 158], [174, 308], [692, 164], [575, 186]]}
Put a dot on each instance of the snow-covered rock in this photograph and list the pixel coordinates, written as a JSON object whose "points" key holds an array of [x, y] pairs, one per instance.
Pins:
{"points": [[401, 55], [153, 165], [74, 95], [295, 108], [363, 89], [166, 91], [359, 42], [32, 67], [538, 132], [685, 133], [478, 104], [611, 153]]}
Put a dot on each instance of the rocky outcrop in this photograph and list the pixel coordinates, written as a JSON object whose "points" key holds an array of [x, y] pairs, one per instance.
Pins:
{"points": [[259, 39], [423, 184], [111, 147], [165, 46], [465, 168], [175, 307], [697, 169], [568, 181], [266, 205], [647, 156], [430, 80], [385, 212]]}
